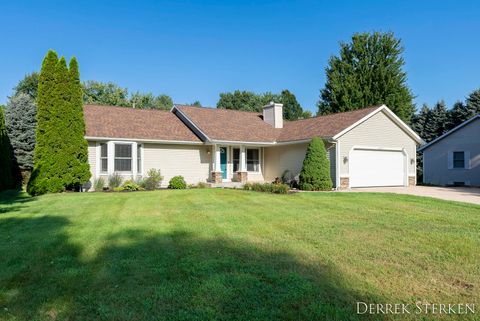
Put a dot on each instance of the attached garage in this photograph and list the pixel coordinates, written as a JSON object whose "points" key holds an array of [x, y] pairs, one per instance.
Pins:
{"points": [[377, 167]]}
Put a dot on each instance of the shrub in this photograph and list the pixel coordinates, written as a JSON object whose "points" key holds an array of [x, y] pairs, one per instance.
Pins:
{"points": [[99, 184], [202, 185], [267, 188], [177, 182], [130, 185], [153, 180], [315, 174], [114, 180]]}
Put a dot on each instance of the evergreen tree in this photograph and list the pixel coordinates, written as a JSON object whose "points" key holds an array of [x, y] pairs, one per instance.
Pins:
{"points": [[315, 174], [473, 104], [60, 159], [368, 71], [8, 177], [291, 108], [419, 120], [20, 116], [437, 121], [458, 114], [77, 146]]}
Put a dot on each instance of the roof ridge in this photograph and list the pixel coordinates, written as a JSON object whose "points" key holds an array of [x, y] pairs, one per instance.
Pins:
{"points": [[216, 108], [128, 108]]}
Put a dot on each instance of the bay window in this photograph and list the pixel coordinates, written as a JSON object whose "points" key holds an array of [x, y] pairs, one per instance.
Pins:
{"points": [[123, 158]]}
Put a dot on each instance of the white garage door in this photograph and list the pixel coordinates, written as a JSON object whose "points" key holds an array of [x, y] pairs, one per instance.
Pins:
{"points": [[376, 168]]}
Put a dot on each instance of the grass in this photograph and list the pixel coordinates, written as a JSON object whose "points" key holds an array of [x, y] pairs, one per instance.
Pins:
{"points": [[209, 254]]}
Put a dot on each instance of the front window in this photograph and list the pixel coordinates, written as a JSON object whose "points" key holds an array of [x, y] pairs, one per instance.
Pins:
{"points": [[458, 159], [123, 157], [253, 160], [103, 157], [236, 160]]}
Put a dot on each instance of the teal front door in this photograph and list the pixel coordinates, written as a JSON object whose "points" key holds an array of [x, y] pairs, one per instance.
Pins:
{"points": [[223, 162]]}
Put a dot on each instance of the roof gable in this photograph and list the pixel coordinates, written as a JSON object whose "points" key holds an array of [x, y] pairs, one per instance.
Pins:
{"points": [[451, 131]]}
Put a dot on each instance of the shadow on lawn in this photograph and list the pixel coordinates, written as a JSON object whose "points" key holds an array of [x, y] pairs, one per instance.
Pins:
{"points": [[142, 275], [13, 200]]}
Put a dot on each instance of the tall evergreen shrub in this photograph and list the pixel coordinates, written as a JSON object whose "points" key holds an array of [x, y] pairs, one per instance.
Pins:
{"points": [[315, 174], [8, 179]]}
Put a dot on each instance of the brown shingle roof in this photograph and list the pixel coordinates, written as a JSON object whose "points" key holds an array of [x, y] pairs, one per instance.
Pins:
{"points": [[121, 122], [230, 125], [321, 126], [233, 125]]}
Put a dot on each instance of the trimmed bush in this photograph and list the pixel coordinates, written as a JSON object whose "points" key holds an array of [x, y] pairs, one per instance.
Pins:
{"points": [[267, 188], [99, 184], [315, 174], [114, 180], [153, 180], [177, 182]]}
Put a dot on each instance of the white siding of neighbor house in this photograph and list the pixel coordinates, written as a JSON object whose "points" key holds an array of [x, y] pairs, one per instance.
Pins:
{"points": [[92, 159], [377, 131], [190, 161], [290, 157], [435, 157]]}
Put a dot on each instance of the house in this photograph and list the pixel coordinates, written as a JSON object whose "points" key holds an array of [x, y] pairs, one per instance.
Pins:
{"points": [[454, 157], [366, 147]]}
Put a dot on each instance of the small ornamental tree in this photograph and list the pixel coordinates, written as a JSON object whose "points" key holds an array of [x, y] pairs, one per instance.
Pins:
{"points": [[315, 174]]}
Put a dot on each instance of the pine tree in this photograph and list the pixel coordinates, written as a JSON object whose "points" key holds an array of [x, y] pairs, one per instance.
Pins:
{"points": [[315, 174], [437, 121], [419, 120], [458, 114], [291, 108], [20, 117], [473, 104], [8, 177], [368, 71]]}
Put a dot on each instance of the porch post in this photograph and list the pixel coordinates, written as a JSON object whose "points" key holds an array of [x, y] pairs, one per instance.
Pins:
{"points": [[242, 174], [216, 170], [134, 161], [111, 157]]}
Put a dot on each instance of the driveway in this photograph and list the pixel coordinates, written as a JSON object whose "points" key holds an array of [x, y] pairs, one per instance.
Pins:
{"points": [[461, 194]]}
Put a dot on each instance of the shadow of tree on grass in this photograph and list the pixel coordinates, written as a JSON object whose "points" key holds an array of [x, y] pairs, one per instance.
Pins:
{"points": [[142, 275], [13, 201]]}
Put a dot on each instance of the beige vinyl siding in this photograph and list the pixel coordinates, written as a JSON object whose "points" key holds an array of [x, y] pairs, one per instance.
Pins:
{"points": [[377, 131], [290, 157], [435, 157], [190, 161], [284, 157]]}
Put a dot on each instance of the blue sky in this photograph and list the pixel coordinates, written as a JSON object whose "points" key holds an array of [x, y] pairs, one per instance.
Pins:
{"points": [[196, 49]]}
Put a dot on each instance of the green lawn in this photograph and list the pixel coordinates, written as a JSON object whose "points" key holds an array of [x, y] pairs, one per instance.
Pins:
{"points": [[209, 254]]}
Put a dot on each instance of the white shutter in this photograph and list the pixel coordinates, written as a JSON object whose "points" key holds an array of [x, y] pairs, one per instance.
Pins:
{"points": [[450, 160], [467, 160]]}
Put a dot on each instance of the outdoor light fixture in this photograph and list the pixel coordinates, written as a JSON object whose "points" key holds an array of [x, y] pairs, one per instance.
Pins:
{"points": [[345, 159]]}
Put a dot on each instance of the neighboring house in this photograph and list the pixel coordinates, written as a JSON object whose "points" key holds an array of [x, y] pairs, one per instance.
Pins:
{"points": [[367, 147], [454, 157]]}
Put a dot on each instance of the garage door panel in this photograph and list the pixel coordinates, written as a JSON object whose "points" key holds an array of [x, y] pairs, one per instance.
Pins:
{"points": [[376, 168]]}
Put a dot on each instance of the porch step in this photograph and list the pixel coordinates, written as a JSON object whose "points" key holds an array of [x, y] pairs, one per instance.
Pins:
{"points": [[226, 185]]}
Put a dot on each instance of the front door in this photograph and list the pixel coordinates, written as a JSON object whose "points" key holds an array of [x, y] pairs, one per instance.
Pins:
{"points": [[223, 161]]}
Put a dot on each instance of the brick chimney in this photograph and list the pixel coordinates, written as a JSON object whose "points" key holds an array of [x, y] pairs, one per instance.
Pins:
{"points": [[273, 114]]}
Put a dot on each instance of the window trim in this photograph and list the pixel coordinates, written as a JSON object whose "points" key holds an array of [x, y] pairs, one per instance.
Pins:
{"points": [[463, 160], [129, 158], [259, 160], [101, 158]]}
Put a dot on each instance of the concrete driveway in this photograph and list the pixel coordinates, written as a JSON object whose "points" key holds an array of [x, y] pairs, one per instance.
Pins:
{"points": [[461, 194]]}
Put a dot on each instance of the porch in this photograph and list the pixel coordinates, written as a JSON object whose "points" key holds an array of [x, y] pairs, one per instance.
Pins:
{"points": [[236, 164]]}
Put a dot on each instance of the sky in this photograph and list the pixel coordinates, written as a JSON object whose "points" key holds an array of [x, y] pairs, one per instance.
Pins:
{"points": [[194, 50]]}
